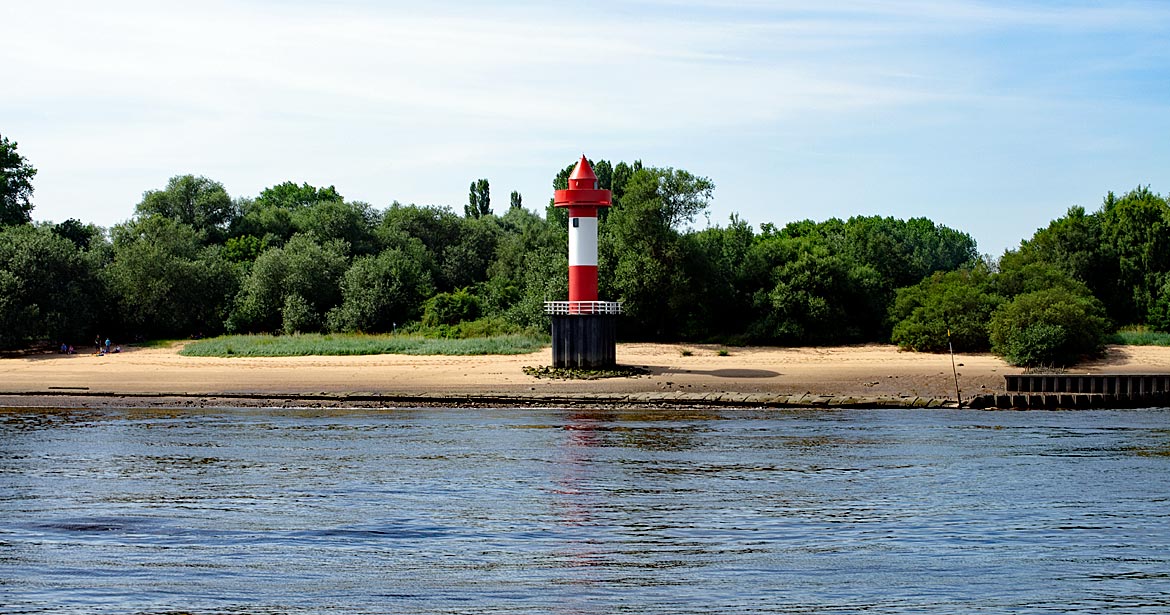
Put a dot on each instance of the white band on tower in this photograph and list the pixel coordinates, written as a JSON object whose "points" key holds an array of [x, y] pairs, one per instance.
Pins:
{"points": [[583, 241]]}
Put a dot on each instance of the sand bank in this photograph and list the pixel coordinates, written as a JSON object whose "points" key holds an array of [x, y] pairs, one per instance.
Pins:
{"points": [[868, 370]]}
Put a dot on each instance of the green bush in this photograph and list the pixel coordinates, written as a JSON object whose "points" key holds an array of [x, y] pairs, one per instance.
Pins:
{"points": [[451, 308], [1049, 327], [951, 308]]}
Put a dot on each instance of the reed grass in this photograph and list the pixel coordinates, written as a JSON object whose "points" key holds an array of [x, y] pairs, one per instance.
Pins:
{"points": [[316, 344], [1140, 336]]}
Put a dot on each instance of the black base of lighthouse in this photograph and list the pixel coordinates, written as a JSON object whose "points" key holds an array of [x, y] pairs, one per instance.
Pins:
{"points": [[584, 341]]}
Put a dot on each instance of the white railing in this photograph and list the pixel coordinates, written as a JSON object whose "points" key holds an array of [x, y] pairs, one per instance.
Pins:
{"points": [[582, 307]]}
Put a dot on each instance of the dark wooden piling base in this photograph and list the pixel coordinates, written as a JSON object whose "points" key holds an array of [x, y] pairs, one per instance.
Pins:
{"points": [[1109, 384], [584, 341], [1077, 391]]}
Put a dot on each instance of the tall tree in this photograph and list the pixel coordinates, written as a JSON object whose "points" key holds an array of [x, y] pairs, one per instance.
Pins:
{"points": [[517, 200], [15, 185], [479, 199], [198, 202], [1135, 228], [641, 250]]}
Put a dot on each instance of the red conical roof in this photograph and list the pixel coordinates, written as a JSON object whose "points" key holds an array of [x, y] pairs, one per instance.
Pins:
{"points": [[582, 176], [582, 170]]}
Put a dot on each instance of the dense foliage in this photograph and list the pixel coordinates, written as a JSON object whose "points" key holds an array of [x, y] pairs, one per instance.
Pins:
{"points": [[300, 258]]}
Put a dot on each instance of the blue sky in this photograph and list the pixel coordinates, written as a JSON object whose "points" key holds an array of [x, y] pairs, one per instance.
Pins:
{"points": [[989, 117]]}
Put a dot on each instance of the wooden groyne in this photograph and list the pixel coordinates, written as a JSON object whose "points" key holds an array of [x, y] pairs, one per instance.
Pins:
{"points": [[1077, 391], [1106, 384]]}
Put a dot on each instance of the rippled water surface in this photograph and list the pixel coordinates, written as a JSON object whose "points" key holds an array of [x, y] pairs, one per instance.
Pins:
{"points": [[564, 511]]}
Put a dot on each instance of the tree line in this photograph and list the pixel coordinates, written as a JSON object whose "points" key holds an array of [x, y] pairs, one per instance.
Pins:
{"points": [[193, 261]]}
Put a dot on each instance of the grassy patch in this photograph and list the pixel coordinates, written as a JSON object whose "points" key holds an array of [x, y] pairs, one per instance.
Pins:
{"points": [[315, 344], [568, 373], [1140, 336]]}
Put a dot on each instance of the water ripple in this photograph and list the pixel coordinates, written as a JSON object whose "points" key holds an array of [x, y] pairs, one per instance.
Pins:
{"points": [[583, 512]]}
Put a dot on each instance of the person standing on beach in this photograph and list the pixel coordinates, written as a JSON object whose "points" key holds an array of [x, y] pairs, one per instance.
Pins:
{"points": [[107, 345], [97, 342]]}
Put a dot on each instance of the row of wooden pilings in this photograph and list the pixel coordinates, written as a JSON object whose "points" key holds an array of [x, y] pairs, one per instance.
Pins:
{"points": [[1077, 391]]}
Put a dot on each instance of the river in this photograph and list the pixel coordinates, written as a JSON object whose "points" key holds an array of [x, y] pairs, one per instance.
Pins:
{"points": [[579, 512]]}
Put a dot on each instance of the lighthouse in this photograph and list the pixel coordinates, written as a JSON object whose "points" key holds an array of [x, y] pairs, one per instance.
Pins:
{"points": [[584, 331]]}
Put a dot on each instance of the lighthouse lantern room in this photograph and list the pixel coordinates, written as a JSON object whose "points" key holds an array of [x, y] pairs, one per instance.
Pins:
{"points": [[583, 328]]}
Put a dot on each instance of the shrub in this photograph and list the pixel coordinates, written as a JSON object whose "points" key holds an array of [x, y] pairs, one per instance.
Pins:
{"points": [[451, 308], [959, 302], [1049, 327]]}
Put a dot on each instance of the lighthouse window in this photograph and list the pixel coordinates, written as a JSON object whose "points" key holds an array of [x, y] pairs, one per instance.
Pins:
{"points": [[576, 222]]}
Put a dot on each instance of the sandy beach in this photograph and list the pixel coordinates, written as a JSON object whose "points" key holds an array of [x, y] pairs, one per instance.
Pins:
{"points": [[869, 370]]}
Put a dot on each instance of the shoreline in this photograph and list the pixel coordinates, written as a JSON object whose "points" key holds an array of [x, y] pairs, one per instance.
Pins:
{"points": [[679, 375]]}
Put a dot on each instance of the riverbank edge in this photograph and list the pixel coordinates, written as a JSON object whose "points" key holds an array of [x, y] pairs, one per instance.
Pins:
{"points": [[68, 399], [79, 399]]}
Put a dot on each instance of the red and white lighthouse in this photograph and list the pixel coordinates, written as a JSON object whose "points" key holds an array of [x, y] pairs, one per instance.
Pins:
{"points": [[583, 198], [584, 333]]}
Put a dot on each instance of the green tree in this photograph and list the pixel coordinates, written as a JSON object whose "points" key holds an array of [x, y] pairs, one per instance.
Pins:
{"points": [[82, 235], [640, 244], [381, 292], [46, 288], [351, 223], [517, 201], [198, 202], [904, 252], [816, 295], [524, 239], [242, 249], [719, 294], [544, 278], [290, 196], [464, 262], [1073, 244], [1135, 228], [272, 225], [16, 187], [302, 267], [280, 211], [165, 282], [479, 199]]}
